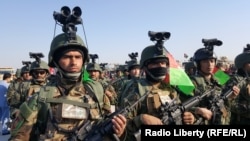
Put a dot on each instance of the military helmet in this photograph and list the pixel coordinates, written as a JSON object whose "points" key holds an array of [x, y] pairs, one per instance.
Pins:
{"points": [[39, 65], [241, 59], [93, 67], [132, 64], [18, 73], [189, 65], [61, 43], [152, 52], [202, 54], [25, 69]]}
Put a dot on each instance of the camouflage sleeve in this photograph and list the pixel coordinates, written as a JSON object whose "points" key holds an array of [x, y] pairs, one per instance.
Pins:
{"points": [[13, 97], [10, 92], [106, 105], [24, 121], [111, 93]]}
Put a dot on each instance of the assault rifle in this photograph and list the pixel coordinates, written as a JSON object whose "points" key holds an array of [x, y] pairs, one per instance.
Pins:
{"points": [[172, 112], [105, 127], [217, 104]]}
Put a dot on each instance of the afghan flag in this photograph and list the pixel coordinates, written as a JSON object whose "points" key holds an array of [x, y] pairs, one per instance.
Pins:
{"points": [[220, 76], [178, 77], [85, 76]]}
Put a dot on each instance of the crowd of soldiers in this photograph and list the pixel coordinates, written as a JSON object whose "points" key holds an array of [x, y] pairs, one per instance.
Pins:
{"points": [[80, 103]]}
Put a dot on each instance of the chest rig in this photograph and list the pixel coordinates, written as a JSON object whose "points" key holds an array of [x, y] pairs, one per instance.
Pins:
{"points": [[157, 97], [65, 112]]}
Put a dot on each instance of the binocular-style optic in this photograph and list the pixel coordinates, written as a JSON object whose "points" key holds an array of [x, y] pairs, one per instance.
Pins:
{"points": [[133, 55], [93, 57], [26, 63], [211, 42], [37, 56], [65, 16], [247, 48], [158, 36]]}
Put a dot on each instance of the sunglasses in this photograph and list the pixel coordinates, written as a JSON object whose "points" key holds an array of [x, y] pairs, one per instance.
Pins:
{"points": [[39, 72]]}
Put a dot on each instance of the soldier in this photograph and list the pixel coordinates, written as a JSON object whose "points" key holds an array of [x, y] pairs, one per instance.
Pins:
{"points": [[133, 67], [25, 71], [65, 109], [17, 76], [106, 93], [134, 74], [17, 89], [120, 80], [189, 67], [155, 65], [223, 65], [105, 73], [204, 81], [65, 104], [241, 104], [39, 71]]}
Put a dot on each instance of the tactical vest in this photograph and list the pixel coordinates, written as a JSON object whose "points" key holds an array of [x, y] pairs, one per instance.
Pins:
{"points": [[32, 90], [44, 99], [156, 98], [23, 88], [222, 116], [98, 90], [20, 95], [201, 84]]}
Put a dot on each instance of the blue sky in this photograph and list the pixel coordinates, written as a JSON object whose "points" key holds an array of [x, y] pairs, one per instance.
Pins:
{"points": [[116, 28]]}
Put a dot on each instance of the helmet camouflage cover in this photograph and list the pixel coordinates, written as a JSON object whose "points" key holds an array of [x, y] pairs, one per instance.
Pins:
{"points": [[37, 65], [93, 67], [62, 42]]}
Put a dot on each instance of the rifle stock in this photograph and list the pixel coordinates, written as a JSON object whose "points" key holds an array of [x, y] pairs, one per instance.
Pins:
{"points": [[105, 127]]}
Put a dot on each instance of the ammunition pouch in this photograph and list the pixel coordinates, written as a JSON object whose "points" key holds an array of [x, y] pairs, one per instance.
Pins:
{"points": [[27, 110]]}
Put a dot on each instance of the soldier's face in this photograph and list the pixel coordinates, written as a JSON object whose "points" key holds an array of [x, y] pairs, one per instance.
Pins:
{"points": [[207, 66], [26, 76], [135, 72], [247, 67], [157, 64], [71, 61], [39, 74], [94, 74]]}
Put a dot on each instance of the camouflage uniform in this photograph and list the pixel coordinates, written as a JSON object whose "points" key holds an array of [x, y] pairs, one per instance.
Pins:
{"points": [[37, 83], [159, 92], [17, 91], [64, 106], [103, 86], [202, 84], [189, 67], [133, 64], [241, 104], [119, 83], [151, 105]]}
